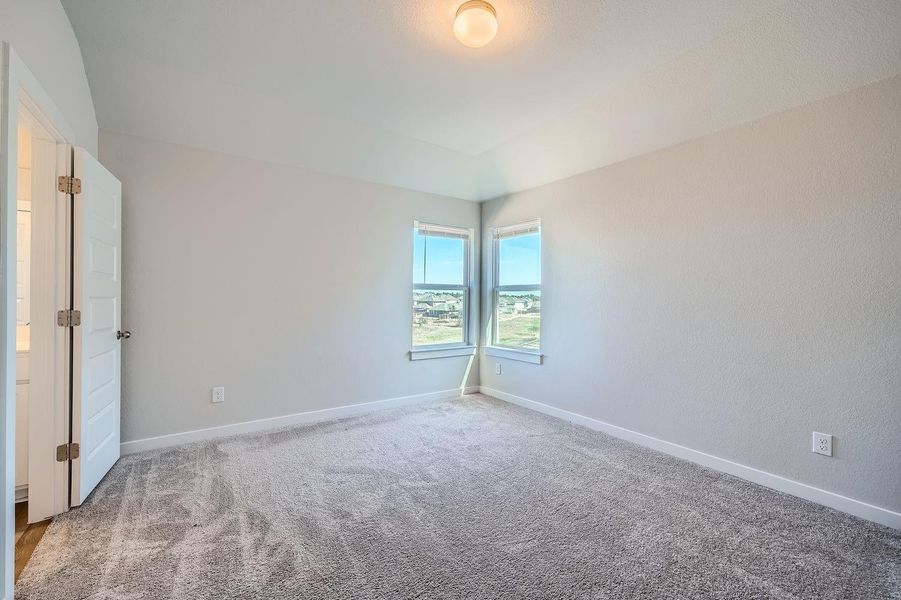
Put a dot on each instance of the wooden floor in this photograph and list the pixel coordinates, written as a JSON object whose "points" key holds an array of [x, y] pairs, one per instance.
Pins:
{"points": [[27, 536]]}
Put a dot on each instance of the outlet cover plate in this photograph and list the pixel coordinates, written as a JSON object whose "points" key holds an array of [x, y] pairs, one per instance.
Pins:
{"points": [[822, 443], [218, 394]]}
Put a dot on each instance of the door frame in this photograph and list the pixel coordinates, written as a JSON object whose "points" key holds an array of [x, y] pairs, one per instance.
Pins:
{"points": [[18, 86]]}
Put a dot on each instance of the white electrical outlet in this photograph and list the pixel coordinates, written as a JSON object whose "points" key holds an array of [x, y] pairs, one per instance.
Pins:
{"points": [[822, 443], [218, 394], [497, 368]]}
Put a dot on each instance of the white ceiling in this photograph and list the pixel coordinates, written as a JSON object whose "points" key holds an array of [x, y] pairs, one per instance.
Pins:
{"points": [[380, 90]]}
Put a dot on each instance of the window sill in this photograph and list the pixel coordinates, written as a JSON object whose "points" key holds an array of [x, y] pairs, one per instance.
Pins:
{"points": [[522, 355], [428, 353]]}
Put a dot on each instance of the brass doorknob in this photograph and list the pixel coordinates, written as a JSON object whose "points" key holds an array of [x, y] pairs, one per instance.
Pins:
{"points": [[123, 334]]}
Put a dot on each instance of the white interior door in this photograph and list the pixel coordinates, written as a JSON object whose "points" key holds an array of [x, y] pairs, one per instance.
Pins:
{"points": [[48, 361], [96, 353]]}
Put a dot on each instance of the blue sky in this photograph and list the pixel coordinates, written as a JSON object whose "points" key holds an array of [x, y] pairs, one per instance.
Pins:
{"points": [[520, 260], [440, 260]]}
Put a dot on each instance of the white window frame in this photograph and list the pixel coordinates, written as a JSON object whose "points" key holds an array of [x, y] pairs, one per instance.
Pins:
{"points": [[466, 347], [493, 348]]}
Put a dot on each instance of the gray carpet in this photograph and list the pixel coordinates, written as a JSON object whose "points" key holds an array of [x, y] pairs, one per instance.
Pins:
{"points": [[470, 498]]}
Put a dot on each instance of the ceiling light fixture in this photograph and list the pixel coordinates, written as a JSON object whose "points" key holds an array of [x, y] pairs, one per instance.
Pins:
{"points": [[475, 24]]}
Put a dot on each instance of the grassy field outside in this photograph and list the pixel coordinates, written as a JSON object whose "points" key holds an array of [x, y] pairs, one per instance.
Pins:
{"points": [[519, 331], [425, 334]]}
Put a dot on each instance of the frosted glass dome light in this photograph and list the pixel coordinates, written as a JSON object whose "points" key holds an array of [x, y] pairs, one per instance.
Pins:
{"points": [[475, 24]]}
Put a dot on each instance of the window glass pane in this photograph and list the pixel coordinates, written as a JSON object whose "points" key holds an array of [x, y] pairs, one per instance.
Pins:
{"points": [[438, 259], [518, 317], [519, 260], [438, 317], [418, 257]]}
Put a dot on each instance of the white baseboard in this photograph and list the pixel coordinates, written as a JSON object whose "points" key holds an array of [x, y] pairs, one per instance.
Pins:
{"points": [[21, 493], [312, 416], [776, 482]]}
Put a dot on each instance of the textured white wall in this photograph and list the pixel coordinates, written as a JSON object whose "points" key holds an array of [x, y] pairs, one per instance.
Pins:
{"points": [[290, 288], [40, 33], [734, 293], [798, 53]]}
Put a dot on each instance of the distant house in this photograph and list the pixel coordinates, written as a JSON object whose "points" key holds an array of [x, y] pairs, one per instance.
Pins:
{"points": [[438, 306], [445, 310], [518, 306]]}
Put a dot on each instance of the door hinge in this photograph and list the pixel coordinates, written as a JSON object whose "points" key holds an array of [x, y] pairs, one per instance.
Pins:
{"points": [[68, 318], [69, 185], [66, 452]]}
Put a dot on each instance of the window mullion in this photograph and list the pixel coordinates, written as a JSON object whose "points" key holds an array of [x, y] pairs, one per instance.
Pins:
{"points": [[438, 287]]}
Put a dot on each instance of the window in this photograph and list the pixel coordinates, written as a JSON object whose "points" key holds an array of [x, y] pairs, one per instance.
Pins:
{"points": [[517, 288], [441, 282]]}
